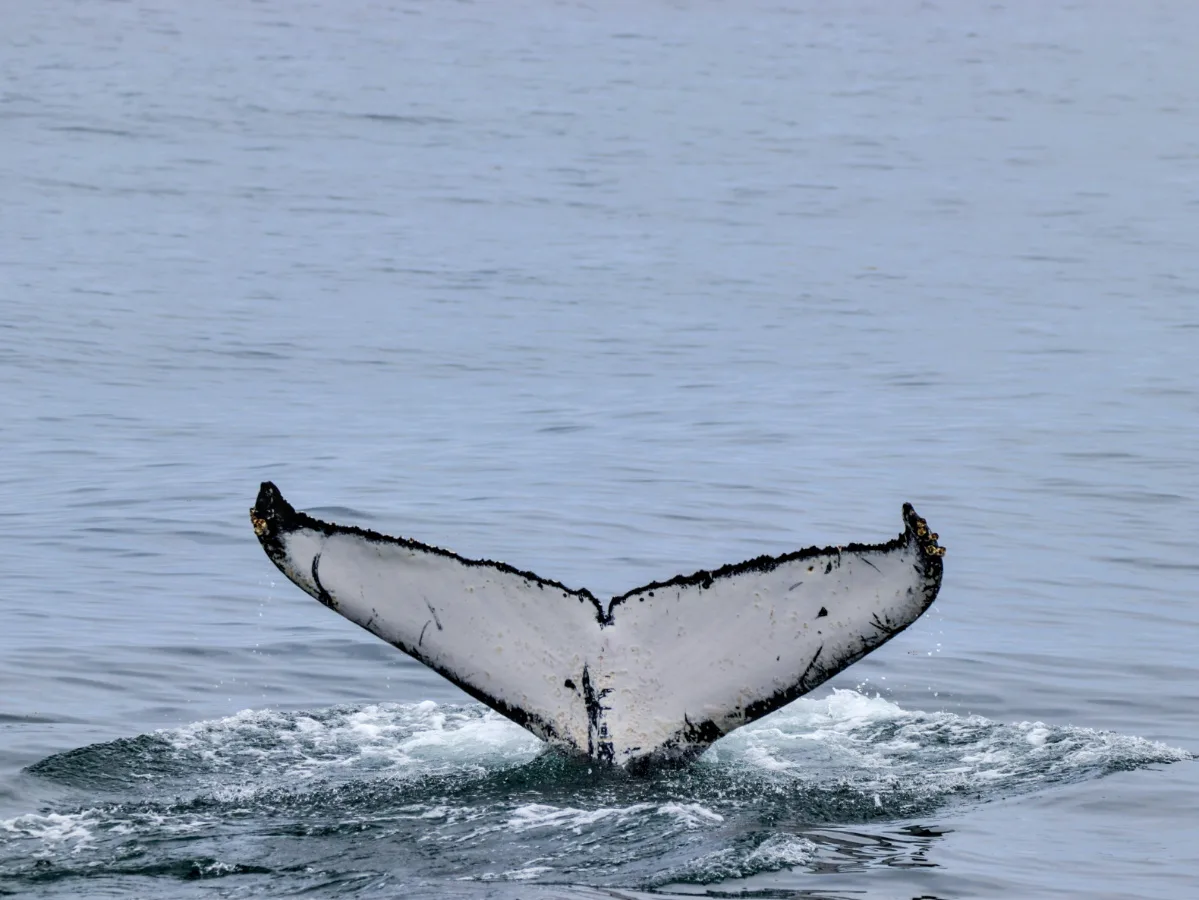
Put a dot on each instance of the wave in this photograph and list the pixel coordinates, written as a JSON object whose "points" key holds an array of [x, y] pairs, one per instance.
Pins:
{"points": [[459, 793]]}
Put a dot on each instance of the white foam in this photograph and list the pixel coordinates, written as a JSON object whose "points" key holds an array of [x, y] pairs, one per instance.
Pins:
{"points": [[471, 737], [691, 815], [777, 851], [1037, 735], [876, 746], [870, 741], [215, 869], [53, 828], [781, 851], [538, 815], [526, 873], [891, 761], [379, 737], [523, 874]]}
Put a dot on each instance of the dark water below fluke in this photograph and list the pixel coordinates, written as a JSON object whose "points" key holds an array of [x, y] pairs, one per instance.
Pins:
{"points": [[339, 798]]}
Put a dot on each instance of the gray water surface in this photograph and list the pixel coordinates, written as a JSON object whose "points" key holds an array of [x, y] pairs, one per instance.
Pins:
{"points": [[611, 294]]}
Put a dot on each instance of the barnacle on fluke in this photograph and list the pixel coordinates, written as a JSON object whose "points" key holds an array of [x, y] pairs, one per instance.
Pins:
{"points": [[621, 682]]}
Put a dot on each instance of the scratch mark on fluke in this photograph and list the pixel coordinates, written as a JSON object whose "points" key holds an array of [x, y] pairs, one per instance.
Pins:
{"points": [[321, 594], [502, 634]]}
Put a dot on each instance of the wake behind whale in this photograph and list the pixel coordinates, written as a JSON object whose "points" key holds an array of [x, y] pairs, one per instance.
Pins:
{"points": [[653, 675]]}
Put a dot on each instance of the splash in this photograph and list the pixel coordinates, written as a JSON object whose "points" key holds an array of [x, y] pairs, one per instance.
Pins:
{"points": [[446, 793]]}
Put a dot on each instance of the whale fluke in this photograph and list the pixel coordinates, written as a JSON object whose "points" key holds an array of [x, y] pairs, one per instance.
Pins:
{"points": [[654, 675]]}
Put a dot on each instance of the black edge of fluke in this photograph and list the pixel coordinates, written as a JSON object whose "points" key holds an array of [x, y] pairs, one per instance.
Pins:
{"points": [[916, 528], [271, 517]]}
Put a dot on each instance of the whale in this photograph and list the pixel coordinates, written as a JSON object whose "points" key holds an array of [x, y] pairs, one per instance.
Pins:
{"points": [[651, 677]]}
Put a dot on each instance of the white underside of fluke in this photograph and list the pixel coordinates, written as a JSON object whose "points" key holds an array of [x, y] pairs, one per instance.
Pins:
{"points": [[653, 675]]}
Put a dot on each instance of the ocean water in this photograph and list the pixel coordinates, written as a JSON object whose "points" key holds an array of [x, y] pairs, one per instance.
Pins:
{"points": [[610, 292]]}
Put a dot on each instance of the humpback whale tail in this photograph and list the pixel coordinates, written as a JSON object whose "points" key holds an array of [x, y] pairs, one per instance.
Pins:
{"points": [[653, 675]]}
